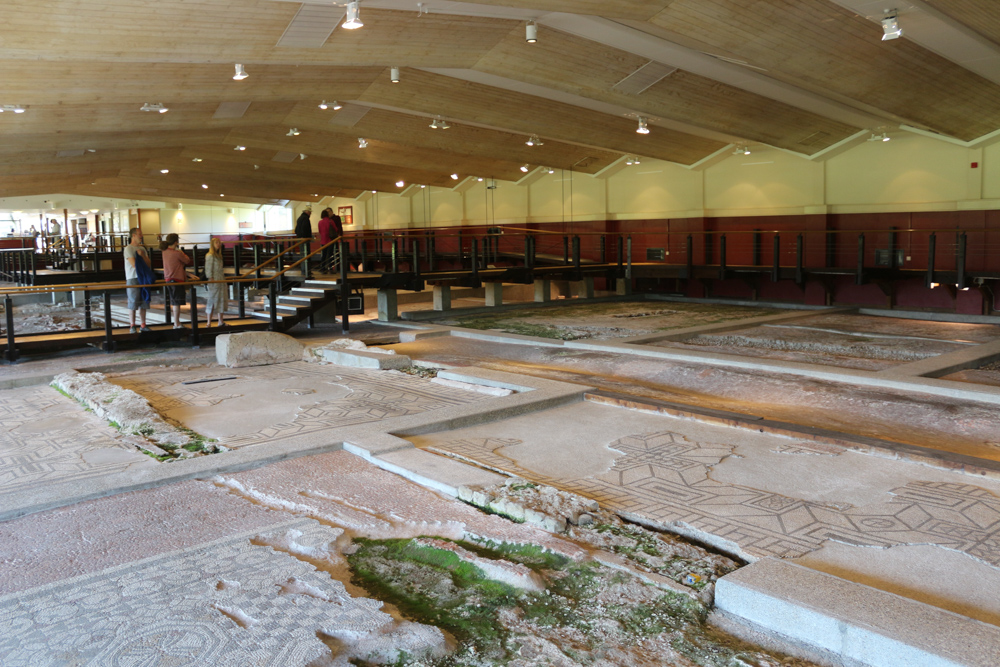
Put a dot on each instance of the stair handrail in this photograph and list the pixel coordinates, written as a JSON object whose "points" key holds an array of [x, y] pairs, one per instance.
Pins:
{"points": [[311, 254]]}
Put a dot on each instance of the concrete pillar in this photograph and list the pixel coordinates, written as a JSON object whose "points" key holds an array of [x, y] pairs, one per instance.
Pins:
{"points": [[583, 289], [388, 308], [494, 294], [623, 286], [442, 297], [542, 291]]}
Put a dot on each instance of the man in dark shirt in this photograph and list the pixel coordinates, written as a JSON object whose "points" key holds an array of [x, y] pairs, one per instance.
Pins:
{"points": [[303, 229]]}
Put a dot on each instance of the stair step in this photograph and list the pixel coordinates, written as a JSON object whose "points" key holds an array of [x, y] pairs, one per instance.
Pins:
{"points": [[308, 292], [303, 300], [324, 284], [264, 315]]}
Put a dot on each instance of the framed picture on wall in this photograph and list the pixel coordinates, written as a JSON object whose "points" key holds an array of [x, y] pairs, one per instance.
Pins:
{"points": [[346, 214]]}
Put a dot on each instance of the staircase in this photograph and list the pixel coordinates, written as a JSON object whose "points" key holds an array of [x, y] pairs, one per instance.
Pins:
{"points": [[303, 301]]}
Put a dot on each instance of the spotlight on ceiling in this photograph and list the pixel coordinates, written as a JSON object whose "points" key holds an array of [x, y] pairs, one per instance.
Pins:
{"points": [[890, 26], [533, 140], [204, 186], [16, 108], [400, 184], [240, 148], [439, 124], [362, 142], [741, 149], [154, 107], [293, 132], [550, 170], [454, 177], [525, 168], [880, 136], [632, 159], [643, 126], [480, 179], [323, 105], [240, 73], [302, 156], [196, 159], [353, 20], [531, 32], [394, 74], [164, 171], [337, 106], [422, 187]]}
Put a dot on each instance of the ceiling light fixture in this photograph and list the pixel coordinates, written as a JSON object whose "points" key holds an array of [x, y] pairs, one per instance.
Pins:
{"points": [[240, 73], [204, 186], [353, 20], [480, 179], [643, 126], [16, 108], [240, 148], [400, 184], [323, 105], [337, 106], [632, 159], [302, 156], [394, 74], [890, 26], [362, 142], [880, 136], [525, 168], [531, 32], [741, 149], [439, 124], [154, 107], [454, 177], [550, 170], [197, 159], [533, 140], [293, 132], [91, 150], [164, 171]]}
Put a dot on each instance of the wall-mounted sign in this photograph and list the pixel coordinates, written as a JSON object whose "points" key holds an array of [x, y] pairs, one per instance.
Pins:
{"points": [[246, 225], [346, 214]]}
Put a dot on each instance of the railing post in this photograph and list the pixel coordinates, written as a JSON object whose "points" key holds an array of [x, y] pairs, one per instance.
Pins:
{"points": [[565, 250], [394, 248], [722, 257], [628, 258], [931, 250], [689, 271], [431, 251], [345, 292], [416, 257], [273, 305], [109, 337], [256, 262], [604, 248], [859, 278], [960, 261], [166, 307], [194, 259], [776, 259], [88, 323], [892, 248], [279, 267], [195, 336], [534, 249], [527, 251], [756, 247], [475, 259], [364, 254], [11, 353], [799, 253], [576, 252], [242, 300], [237, 257]]}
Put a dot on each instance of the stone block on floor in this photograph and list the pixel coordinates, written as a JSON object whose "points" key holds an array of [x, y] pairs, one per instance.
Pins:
{"points": [[256, 348], [363, 359]]}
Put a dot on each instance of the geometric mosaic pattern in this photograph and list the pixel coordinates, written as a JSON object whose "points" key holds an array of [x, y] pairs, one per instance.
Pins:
{"points": [[45, 436], [225, 603], [664, 477], [370, 396]]}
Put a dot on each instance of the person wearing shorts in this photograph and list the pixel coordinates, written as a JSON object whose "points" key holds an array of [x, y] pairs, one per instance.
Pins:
{"points": [[135, 295], [174, 261]]}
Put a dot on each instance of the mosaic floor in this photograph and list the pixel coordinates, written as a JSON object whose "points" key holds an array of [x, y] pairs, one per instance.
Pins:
{"points": [[273, 403], [666, 477], [45, 436]]}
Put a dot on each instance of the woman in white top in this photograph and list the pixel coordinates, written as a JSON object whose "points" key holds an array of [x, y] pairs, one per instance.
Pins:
{"points": [[217, 300]]}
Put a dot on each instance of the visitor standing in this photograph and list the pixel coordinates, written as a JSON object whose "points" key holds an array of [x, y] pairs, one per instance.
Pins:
{"points": [[55, 240], [174, 261], [327, 233], [217, 299], [138, 297], [303, 229]]}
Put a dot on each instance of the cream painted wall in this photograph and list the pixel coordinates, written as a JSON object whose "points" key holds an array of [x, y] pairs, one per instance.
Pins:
{"points": [[195, 223], [989, 169], [768, 180], [908, 170], [655, 189]]}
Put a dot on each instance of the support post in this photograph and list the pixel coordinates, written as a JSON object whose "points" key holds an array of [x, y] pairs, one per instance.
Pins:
{"points": [[442, 297], [494, 294], [628, 258], [242, 300], [388, 308], [722, 257], [475, 259], [195, 336], [576, 252], [565, 250], [689, 270], [88, 322], [273, 305], [799, 253], [960, 254], [859, 278], [109, 337], [776, 259], [166, 307], [931, 249], [527, 251], [345, 291], [395, 255], [542, 290], [416, 257], [11, 353]]}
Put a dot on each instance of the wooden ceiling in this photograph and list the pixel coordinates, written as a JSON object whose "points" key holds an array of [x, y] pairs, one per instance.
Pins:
{"points": [[800, 75]]}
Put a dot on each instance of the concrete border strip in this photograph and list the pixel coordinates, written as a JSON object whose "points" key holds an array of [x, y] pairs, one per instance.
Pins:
{"points": [[944, 364], [730, 325]]}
